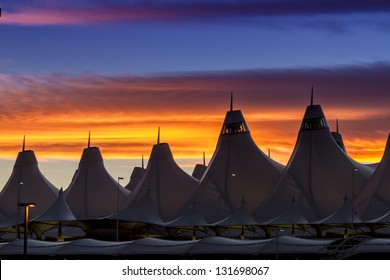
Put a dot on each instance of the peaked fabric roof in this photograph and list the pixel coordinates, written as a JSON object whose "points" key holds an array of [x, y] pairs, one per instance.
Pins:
{"points": [[58, 211], [193, 217], [170, 186], [240, 217], [317, 175], [374, 201], [199, 171], [142, 211], [93, 193], [136, 176], [344, 215], [338, 137], [26, 184], [238, 168], [291, 216]]}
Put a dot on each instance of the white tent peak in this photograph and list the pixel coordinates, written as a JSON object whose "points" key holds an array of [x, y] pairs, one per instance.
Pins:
{"points": [[374, 201], [338, 137], [171, 186], [235, 153], [318, 173], [93, 193], [26, 183]]}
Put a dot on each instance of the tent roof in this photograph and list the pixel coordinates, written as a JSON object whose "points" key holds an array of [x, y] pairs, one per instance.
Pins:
{"points": [[26, 184], [170, 186], [154, 246], [238, 168], [222, 245], [142, 211], [58, 211], [240, 217], [374, 201], [199, 171], [318, 173], [136, 176], [344, 215], [193, 217], [93, 193], [291, 216]]}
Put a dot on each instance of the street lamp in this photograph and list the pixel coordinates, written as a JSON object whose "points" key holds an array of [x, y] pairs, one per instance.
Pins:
{"points": [[354, 170], [230, 199], [26, 206], [277, 242], [117, 210], [17, 207]]}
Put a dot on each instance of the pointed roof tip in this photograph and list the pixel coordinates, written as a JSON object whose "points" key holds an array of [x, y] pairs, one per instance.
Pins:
{"points": [[89, 139], [158, 136], [311, 97], [61, 191], [24, 143], [204, 158], [142, 164], [231, 101], [337, 125], [269, 152]]}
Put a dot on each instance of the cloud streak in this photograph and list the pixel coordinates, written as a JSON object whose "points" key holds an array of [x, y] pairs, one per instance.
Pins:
{"points": [[81, 14], [124, 111]]}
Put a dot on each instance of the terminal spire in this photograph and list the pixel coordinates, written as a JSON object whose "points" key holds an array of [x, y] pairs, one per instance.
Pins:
{"points": [[231, 101], [142, 161], [204, 159], [158, 136], [269, 152], [337, 125], [24, 143], [89, 139], [311, 98]]}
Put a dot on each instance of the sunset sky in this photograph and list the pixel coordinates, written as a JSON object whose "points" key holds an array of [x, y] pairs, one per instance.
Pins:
{"points": [[123, 69]]}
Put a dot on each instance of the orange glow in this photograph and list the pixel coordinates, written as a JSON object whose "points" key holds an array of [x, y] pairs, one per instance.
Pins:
{"points": [[123, 113]]}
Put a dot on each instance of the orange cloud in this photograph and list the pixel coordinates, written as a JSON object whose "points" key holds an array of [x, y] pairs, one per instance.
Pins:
{"points": [[123, 112]]}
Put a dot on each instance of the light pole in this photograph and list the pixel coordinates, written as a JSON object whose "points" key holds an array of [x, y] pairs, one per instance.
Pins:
{"points": [[230, 199], [17, 207], [117, 210], [277, 242], [26, 206], [354, 170]]}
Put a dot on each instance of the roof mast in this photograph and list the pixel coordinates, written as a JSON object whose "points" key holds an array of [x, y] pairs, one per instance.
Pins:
{"points": [[89, 139], [158, 136], [24, 143], [231, 101], [311, 98]]}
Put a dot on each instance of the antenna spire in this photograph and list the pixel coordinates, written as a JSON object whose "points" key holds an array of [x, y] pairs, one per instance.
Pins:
{"points": [[204, 159], [24, 143], [269, 152], [337, 125], [158, 136], [89, 139], [142, 161], [311, 98], [231, 101]]}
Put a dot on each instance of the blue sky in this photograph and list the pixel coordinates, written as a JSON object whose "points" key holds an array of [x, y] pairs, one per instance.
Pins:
{"points": [[125, 66]]}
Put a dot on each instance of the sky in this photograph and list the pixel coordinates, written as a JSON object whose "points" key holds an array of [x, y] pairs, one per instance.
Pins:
{"points": [[124, 68]]}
